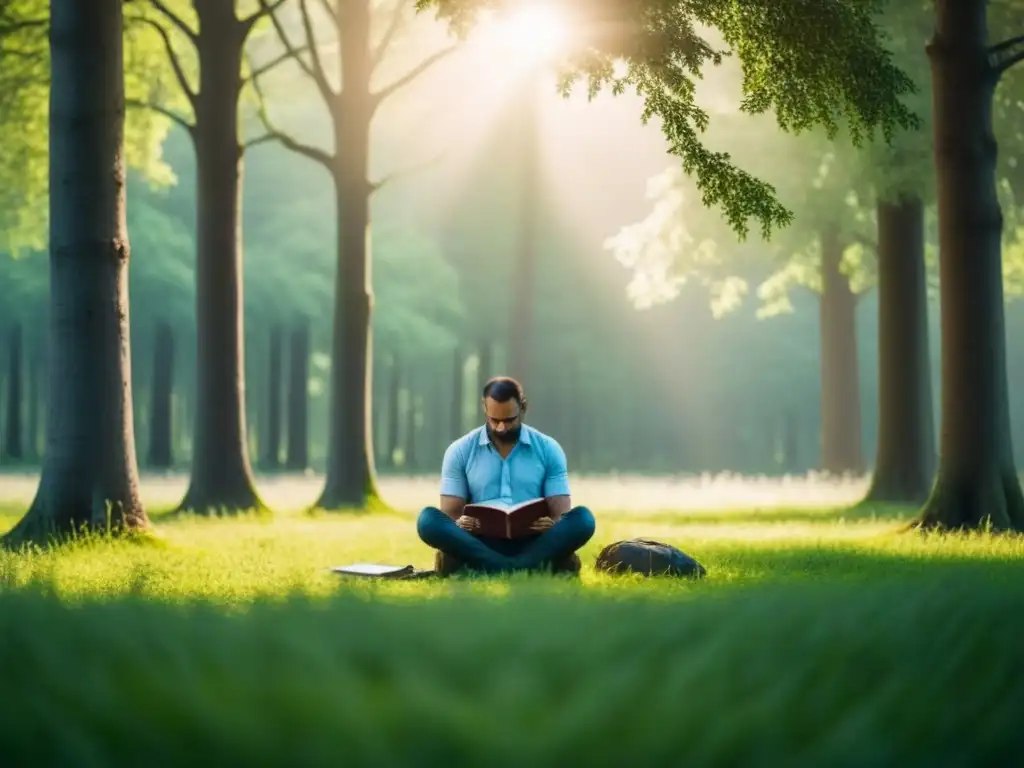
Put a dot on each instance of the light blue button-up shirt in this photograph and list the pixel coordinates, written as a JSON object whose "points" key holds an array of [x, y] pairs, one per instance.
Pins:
{"points": [[474, 470]]}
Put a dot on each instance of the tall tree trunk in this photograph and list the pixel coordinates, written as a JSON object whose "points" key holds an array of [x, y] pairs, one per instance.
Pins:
{"points": [[90, 473], [457, 393], [905, 460], [350, 481], [840, 384], [350, 467], [221, 477], [161, 449], [394, 409], [298, 399], [272, 435], [977, 479], [14, 449]]}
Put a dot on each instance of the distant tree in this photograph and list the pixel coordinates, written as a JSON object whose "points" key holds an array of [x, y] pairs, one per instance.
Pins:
{"points": [[23, 315], [820, 251], [899, 177], [163, 293], [89, 476], [221, 476], [287, 283], [352, 105], [417, 317], [977, 483]]}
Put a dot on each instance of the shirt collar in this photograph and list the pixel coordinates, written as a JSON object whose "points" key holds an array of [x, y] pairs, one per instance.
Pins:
{"points": [[524, 436]]}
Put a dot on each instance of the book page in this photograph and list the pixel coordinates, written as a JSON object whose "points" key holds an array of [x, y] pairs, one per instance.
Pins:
{"points": [[527, 503], [371, 569], [502, 506]]}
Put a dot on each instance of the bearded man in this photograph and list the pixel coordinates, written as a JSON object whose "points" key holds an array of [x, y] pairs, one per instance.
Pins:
{"points": [[505, 460]]}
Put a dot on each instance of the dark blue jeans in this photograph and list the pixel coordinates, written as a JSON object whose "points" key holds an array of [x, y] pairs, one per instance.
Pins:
{"points": [[572, 531]]}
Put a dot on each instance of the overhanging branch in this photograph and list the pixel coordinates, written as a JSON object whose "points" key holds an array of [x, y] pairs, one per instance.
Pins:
{"points": [[416, 168], [168, 113], [262, 69], [176, 20], [395, 23], [411, 75], [286, 141], [332, 14], [282, 138], [315, 72], [1004, 55], [262, 139], [266, 9], [179, 71], [314, 55]]}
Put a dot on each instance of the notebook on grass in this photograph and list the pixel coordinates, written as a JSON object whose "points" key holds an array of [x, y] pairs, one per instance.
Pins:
{"points": [[380, 571]]}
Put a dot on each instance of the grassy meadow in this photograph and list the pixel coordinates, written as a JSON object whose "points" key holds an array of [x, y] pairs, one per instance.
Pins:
{"points": [[820, 637]]}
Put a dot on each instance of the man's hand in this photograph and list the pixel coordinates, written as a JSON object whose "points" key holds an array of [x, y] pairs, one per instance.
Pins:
{"points": [[467, 523], [541, 524]]}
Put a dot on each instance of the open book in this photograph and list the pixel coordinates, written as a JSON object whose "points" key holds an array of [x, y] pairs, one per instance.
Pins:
{"points": [[504, 521], [380, 571]]}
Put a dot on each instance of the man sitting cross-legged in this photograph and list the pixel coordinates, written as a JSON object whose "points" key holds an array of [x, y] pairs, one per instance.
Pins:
{"points": [[508, 461]]}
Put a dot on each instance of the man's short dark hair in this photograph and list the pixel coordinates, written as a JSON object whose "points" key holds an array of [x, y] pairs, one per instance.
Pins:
{"points": [[504, 388]]}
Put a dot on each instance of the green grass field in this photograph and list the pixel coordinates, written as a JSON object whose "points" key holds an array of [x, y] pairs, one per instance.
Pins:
{"points": [[820, 637]]}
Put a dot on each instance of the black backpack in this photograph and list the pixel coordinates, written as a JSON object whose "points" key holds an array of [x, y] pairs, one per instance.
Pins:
{"points": [[650, 558]]}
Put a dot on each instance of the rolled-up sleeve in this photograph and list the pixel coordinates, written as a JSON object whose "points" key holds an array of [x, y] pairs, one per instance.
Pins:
{"points": [[556, 475], [453, 473]]}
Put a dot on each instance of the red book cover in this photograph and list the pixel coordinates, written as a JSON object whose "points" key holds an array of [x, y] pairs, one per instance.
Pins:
{"points": [[502, 521]]}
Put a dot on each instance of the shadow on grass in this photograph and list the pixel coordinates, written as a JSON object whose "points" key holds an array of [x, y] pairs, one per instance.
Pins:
{"points": [[375, 505], [178, 516], [730, 569], [858, 513], [839, 563], [816, 675]]}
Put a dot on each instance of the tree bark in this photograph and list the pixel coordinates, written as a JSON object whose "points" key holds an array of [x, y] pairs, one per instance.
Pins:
{"points": [[221, 477], [14, 449], [976, 484], [161, 449], [350, 467], [271, 437], [840, 384], [89, 477], [457, 393], [350, 481], [297, 459], [905, 459]]}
